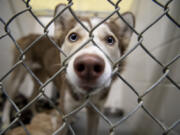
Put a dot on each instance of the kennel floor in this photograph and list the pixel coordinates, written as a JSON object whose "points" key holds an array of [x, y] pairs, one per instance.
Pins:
{"points": [[79, 126]]}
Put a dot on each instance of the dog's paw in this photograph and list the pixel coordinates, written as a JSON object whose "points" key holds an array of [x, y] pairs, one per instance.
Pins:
{"points": [[113, 112]]}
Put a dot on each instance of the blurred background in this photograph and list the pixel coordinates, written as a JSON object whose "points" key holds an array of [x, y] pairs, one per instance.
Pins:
{"points": [[162, 40]]}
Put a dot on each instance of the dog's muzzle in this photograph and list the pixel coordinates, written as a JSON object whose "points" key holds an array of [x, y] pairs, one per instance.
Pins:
{"points": [[88, 68], [89, 71]]}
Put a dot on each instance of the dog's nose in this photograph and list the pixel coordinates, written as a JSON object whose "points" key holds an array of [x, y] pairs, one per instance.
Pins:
{"points": [[89, 67]]}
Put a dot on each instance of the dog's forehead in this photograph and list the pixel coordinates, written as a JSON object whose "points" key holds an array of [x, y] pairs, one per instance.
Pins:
{"points": [[103, 27], [90, 23], [94, 21]]}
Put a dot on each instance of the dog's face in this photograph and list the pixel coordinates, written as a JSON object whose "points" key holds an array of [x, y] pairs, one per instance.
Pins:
{"points": [[90, 68]]}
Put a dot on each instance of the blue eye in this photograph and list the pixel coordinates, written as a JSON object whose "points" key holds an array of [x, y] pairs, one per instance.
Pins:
{"points": [[73, 37], [110, 40]]}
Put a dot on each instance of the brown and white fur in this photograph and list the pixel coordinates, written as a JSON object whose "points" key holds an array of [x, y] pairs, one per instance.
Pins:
{"points": [[44, 123], [89, 71]]}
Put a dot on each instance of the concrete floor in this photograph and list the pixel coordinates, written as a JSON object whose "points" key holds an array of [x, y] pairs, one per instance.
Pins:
{"points": [[79, 126]]}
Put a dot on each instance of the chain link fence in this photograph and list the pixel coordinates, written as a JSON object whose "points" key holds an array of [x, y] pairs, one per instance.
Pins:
{"points": [[112, 126]]}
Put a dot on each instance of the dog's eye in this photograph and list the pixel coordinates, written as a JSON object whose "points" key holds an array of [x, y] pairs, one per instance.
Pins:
{"points": [[110, 40], [73, 37]]}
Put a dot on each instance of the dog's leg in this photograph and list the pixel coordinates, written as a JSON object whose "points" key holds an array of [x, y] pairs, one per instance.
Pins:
{"points": [[58, 81], [42, 76], [92, 122], [34, 94], [6, 114], [13, 86]]}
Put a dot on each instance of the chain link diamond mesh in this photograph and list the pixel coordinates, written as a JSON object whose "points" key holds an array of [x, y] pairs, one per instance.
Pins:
{"points": [[140, 104]]}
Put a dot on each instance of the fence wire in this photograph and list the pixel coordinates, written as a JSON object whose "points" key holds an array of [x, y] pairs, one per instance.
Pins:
{"points": [[112, 126]]}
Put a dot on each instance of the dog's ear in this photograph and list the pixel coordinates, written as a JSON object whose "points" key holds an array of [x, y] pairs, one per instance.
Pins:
{"points": [[130, 19], [122, 31], [125, 32], [63, 20]]}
